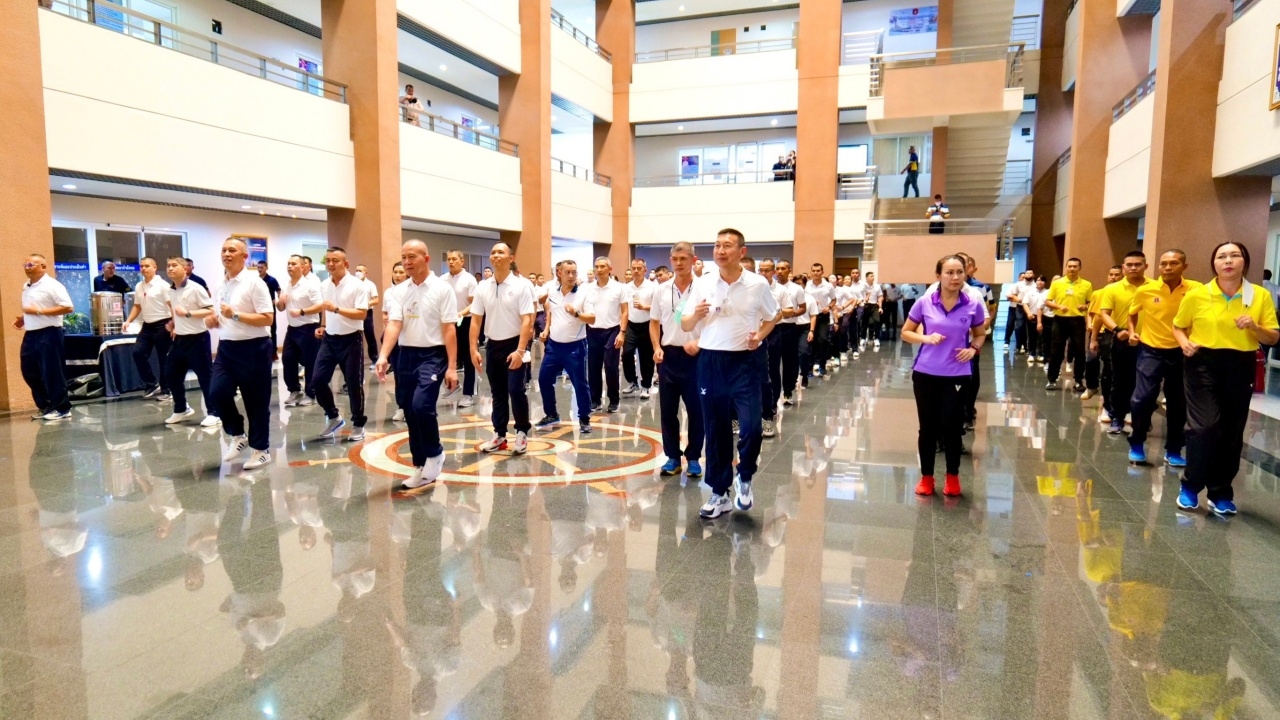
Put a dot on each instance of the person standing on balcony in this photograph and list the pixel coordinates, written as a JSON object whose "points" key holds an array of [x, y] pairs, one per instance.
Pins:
{"points": [[912, 171], [780, 169], [937, 213], [411, 106], [109, 281]]}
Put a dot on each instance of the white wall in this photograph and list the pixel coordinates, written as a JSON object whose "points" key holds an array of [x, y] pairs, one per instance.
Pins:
{"points": [[764, 212], [106, 117], [851, 219], [748, 84], [874, 15], [447, 180], [1247, 132], [697, 32], [580, 209], [247, 29], [658, 155], [447, 105], [490, 28], [854, 87], [581, 76], [1023, 148], [1129, 160], [576, 146]]}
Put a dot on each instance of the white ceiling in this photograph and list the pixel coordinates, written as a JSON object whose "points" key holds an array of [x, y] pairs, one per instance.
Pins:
{"points": [[655, 10], [763, 122]]}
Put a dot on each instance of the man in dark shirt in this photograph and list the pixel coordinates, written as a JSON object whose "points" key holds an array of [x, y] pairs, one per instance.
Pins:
{"points": [[109, 281], [192, 276], [912, 171], [273, 287], [780, 169]]}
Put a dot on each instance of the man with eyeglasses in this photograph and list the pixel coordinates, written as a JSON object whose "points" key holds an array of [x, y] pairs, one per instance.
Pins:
{"points": [[44, 302]]}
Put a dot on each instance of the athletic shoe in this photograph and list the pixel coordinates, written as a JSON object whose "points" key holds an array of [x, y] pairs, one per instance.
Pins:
{"points": [[305, 400], [163, 397], [332, 427], [743, 499], [1031, 361], [926, 485], [968, 426], [584, 429], [342, 390], [178, 417], [520, 444], [238, 445], [431, 471], [151, 392], [398, 415], [856, 355], [357, 435], [736, 427], [787, 401], [631, 389], [1104, 418], [768, 429], [257, 459], [597, 407], [1222, 507], [1071, 368], [951, 488], [613, 408], [39, 414], [715, 506], [292, 400], [1188, 500], [877, 346], [466, 401], [671, 468], [1087, 394], [1137, 454], [211, 421], [1174, 460], [1079, 388], [549, 421], [1051, 385], [816, 369], [1116, 427], [54, 416], [646, 393], [694, 469], [1040, 359], [498, 442]]}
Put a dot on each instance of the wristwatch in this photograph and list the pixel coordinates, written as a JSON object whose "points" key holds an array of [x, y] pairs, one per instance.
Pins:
{"points": [[235, 316]]}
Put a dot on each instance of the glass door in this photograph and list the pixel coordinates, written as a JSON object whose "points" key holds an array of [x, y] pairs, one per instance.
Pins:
{"points": [[715, 164], [772, 153], [747, 165]]}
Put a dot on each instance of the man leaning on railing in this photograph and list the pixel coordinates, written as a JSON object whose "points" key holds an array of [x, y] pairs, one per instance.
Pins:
{"points": [[411, 106]]}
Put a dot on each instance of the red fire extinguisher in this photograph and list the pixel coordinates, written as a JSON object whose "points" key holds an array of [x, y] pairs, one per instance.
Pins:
{"points": [[1260, 374]]}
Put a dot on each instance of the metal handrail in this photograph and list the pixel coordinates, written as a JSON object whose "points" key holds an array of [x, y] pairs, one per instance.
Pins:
{"points": [[1146, 87], [1064, 158], [858, 186], [567, 168], [748, 177], [561, 22], [699, 51], [1011, 52], [1002, 228], [457, 131], [1025, 29], [1240, 7], [858, 47], [1017, 177], [167, 35]]}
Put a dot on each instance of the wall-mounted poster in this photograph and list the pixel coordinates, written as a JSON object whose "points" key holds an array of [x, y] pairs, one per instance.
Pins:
{"points": [[1275, 71], [257, 248], [689, 166], [912, 21]]}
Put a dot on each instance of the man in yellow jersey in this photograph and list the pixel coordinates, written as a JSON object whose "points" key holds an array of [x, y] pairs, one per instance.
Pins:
{"points": [[1159, 359], [1114, 314], [1097, 356], [1068, 297]]}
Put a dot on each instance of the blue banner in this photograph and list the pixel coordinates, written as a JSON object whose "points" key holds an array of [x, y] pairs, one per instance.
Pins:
{"points": [[71, 266]]}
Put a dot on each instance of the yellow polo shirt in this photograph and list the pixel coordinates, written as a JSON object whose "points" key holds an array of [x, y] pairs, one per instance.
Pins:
{"points": [[1073, 296], [1095, 305], [1210, 317], [1156, 305]]}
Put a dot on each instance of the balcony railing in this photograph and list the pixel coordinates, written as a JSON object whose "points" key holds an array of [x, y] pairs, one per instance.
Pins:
{"points": [[559, 21], [1128, 102], [858, 186], [568, 168], [1064, 159], [1240, 7], [1012, 53], [701, 51], [1026, 30], [858, 47], [734, 178], [158, 32], [1071, 6], [1017, 178], [877, 230], [457, 131]]}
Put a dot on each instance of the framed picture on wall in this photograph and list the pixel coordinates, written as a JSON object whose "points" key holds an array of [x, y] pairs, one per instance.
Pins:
{"points": [[257, 248], [1275, 71]]}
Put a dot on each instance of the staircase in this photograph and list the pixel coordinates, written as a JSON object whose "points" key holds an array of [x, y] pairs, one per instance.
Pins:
{"points": [[976, 161], [896, 208]]}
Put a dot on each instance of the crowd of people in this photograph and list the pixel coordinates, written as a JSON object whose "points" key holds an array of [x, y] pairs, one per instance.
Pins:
{"points": [[729, 342]]}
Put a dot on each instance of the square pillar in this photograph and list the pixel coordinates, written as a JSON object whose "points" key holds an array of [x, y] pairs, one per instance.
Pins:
{"points": [[524, 114], [615, 145], [1052, 138], [817, 133]]}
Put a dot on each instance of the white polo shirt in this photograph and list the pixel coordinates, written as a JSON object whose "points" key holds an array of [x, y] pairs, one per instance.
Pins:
{"points": [[874, 293], [45, 293], [350, 292], [299, 296], [190, 297], [843, 295], [371, 287], [423, 310], [859, 290], [245, 293], [668, 306], [799, 298], [1034, 299], [540, 295], [464, 288], [823, 293], [780, 295], [153, 298], [605, 303], [644, 293], [393, 293], [736, 310], [503, 305], [566, 328]]}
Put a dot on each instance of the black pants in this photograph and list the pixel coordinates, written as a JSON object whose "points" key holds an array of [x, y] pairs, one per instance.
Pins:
{"points": [[820, 348], [1026, 334], [638, 340], [969, 393], [677, 383], [300, 349], [890, 319], [190, 352], [907, 304], [507, 386], [42, 362], [153, 336], [419, 373], [602, 363], [773, 347], [871, 320], [789, 343], [345, 351], [1219, 387], [1067, 329], [462, 351], [940, 410], [804, 349], [275, 343], [1124, 373], [729, 385], [1155, 368], [244, 365], [370, 339]]}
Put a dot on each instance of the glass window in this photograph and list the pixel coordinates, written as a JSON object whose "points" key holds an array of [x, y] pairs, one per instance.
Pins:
{"points": [[316, 252], [71, 264], [120, 247], [162, 246]]}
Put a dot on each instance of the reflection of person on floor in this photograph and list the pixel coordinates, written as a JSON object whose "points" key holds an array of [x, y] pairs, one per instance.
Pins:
{"points": [[347, 518], [61, 531], [672, 603], [724, 637], [462, 516], [503, 577], [251, 556], [203, 503], [570, 541]]}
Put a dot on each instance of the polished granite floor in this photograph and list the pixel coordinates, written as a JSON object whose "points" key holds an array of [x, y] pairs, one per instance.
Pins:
{"points": [[139, 578]]}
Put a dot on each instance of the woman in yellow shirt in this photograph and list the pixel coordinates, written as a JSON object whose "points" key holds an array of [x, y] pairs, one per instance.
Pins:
{"points": [[1219, 327]]}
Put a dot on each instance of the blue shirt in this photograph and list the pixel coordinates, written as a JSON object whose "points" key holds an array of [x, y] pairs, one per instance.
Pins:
{"points": [[953, 326]]}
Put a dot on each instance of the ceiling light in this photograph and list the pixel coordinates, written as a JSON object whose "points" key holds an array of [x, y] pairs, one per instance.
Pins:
{"points": [[262, 212], [444, 68], [773, 121], [554, 118], [244, 207], [679, 128], [68, 187], [277, 214], [681, 8], [295, 217]]}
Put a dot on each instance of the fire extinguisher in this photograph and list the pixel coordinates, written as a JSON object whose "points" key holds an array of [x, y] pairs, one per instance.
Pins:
{"points": [[1260, 373]]}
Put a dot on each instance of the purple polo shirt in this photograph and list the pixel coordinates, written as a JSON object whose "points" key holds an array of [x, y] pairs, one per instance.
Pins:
{"points": [[954, 327]]}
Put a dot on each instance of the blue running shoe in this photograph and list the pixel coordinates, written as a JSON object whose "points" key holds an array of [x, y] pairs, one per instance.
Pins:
{"points": [[694, 470], [1188, 500], [671, 468], [1222, 507], [1174, 460], [1137, 454]]}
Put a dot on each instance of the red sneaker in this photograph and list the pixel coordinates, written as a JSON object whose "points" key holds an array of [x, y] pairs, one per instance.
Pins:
{"points": [[952, 486], [925, 486]]}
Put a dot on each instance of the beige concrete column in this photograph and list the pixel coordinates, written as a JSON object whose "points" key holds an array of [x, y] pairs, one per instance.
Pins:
{"points": [[1052, 138], [946, 21], [615, 147], [938, 163], [524, 114], [25, 210], [1113, 58], [817, 133], [1187, 207]]}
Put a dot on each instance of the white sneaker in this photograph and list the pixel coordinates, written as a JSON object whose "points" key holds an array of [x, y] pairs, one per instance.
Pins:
{"points": [[877, 346], [743, 499], [399, 416], [332, 427], [356, 435], [520, 444], [646, 393], [237, 446], [178, 417], [257, 459], [494, 444], [715, 506], [1031, 361], [292, 400], [54, 415], [210, 421], [768, 428], [1104, 418], [305, 401], [431, 471], [817, 369], [856, 354], [466, 402]]}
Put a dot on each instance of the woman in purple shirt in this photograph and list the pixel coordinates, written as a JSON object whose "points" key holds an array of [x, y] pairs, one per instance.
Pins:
{"points": [[944, 325]]}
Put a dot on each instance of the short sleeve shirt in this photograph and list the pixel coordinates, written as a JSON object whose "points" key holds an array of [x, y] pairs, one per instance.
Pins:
{"points": [[464, 288], [1155, 307], [644, 293], [800, 299], [737, 309], [299, 296], [503, 306], [245, 293], [566, 328], [954, 325], [669, 305], [1209, 316], [423, 311], [189, 296], [45, 293], [153, 298], [1073, 296], [352, 293], [605, 303]]}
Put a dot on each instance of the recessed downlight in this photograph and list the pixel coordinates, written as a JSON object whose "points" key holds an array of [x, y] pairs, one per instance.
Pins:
{"points": [[68, 186], [444, 68], [680, 128], [244, 207], [774, 122], [681, 8]]}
